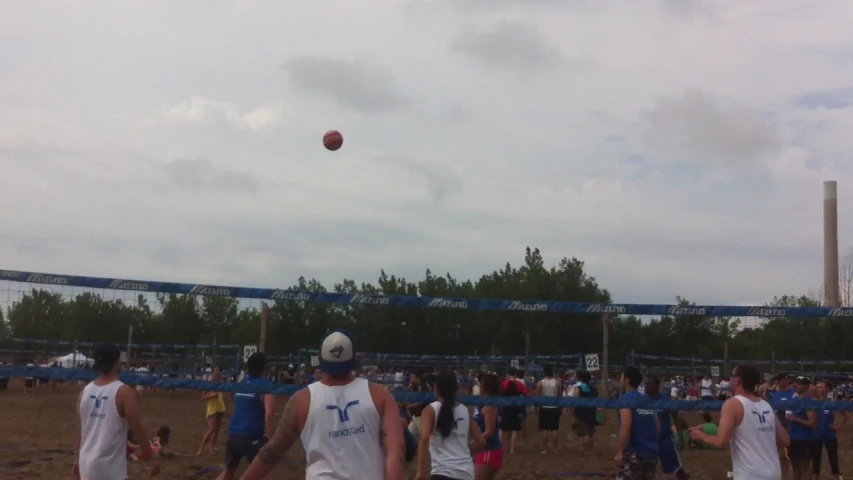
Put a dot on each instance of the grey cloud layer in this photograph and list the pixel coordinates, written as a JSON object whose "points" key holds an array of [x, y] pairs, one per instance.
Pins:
{"points": [[355, 85]]}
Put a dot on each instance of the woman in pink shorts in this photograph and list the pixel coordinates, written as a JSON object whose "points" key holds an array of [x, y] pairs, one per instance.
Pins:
{"points": [[488, 462]]}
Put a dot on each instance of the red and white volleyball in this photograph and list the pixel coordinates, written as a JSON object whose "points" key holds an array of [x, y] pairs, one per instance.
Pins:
{"points": [[333, 140]]}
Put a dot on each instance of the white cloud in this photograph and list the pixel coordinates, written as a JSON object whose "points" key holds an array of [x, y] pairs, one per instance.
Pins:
{"points": [[200, 110], [676, 147]]}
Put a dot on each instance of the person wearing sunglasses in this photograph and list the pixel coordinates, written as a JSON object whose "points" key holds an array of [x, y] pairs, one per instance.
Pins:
{"points": [[749, 427]]}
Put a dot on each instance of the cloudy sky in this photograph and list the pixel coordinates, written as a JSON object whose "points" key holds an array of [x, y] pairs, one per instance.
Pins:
{"points": [[677, 146]]}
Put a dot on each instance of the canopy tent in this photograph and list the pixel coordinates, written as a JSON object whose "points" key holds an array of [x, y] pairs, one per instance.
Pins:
{"points": [[72, 360]]}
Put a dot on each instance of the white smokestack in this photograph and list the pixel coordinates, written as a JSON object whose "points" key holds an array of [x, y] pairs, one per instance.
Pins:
{"points": [[832, 294]]}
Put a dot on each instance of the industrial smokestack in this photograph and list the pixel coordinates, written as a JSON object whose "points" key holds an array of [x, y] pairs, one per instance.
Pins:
{"points": [[832, 294]]}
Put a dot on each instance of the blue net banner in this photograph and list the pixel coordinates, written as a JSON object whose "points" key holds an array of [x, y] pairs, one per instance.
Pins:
{"points": [[390, 357], [535, 306], [404, 397], [45, 341], [700, 361]]}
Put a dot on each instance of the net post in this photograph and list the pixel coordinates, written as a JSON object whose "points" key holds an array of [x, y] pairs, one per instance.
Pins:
{"points": [[129, 341], [773, 362], [265, 316], [605, 353]]}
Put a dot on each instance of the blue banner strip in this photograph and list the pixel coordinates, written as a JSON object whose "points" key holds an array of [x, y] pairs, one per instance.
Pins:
{"points": [[533, 306], [406, 397], [466, 358], [47, 341], [736, 361]]}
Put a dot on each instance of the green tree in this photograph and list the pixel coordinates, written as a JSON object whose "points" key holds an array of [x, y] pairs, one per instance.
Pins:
{"points": [[188, 319]]}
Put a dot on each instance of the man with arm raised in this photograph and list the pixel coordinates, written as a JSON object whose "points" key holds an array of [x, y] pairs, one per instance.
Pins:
{"points": [[344, 423]]}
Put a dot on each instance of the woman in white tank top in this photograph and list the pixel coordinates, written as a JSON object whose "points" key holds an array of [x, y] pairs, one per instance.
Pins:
{"points": [[449, 434]]}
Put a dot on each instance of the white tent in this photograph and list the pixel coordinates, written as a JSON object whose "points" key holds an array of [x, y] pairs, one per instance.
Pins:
{"points": [[72, 360]]}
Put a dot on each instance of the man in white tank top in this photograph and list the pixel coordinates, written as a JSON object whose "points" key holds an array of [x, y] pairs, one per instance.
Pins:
{"points": [[107, 407], [749, 426], [343, 422], [549, 417]]}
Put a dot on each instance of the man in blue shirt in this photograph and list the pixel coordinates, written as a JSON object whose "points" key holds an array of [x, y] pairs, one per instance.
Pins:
{"points": [[670, 461], [252, 419], [639, 431], [802, 431], [783, 393]]}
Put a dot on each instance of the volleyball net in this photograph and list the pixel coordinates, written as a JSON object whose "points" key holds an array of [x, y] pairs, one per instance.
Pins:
{"points": [[20, 283]]}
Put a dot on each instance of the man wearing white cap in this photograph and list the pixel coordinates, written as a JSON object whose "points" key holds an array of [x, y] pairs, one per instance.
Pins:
{"points": [[343, 421]]}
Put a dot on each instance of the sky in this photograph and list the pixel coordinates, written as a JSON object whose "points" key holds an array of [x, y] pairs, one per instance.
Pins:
{"points": [[678, 147]]}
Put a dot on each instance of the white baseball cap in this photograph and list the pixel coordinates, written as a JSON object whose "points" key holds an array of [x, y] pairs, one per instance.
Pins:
{"points": [[337, 353]]}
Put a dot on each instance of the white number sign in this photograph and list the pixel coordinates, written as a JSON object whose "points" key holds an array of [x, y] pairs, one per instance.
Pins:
{"points": [[715, 371], [123, 357], [592, 364], [315, 361], [513, 363], [248, 350]]}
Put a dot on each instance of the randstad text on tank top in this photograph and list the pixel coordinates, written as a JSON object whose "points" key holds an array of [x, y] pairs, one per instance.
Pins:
{"points": [[350, 409]]}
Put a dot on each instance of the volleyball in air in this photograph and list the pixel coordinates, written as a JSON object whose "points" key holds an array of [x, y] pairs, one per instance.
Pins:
{"points": [[333, 140]]}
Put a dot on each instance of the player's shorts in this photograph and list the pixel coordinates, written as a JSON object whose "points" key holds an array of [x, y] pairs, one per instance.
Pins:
{"points": [[800, 450], [670, 461], [635, 467], [583, 429], [493, 458], [238, 447], [549, 419]]}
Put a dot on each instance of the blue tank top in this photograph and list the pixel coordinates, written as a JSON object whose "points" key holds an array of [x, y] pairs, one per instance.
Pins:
{"points": [[493, 442], [825, 419], [778, 399], [664, 417], [249, 418], [586, 414], [800, 432], [644, 436], [411, 441]]}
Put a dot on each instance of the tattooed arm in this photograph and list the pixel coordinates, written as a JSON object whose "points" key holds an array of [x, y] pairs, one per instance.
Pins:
{"points": [[289, 428], [391, 436]]}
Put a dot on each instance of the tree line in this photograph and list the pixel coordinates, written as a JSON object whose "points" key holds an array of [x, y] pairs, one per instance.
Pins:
{"points": [[188, 319]]}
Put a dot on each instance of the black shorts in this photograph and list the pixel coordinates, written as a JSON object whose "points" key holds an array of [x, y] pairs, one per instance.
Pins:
{"points": [[636, 467], [582, 428], [510, 424], [411, 453], [238, 447], [217, 415], [800, 450], [510, 419], [549, 419]]}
